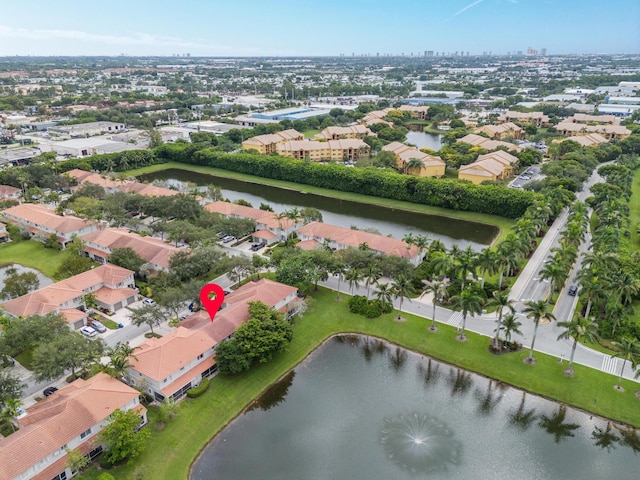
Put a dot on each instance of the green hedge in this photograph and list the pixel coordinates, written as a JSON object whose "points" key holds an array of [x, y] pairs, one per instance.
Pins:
{"points": [[445, 193], [369, 308], [195, 392]]}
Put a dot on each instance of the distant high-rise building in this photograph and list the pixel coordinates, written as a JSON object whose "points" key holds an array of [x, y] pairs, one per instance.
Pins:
{"points": [[467, 53], [543, 51], [519, 52]]}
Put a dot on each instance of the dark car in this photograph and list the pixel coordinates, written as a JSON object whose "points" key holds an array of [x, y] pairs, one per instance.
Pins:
{"points": [[49, 391], [573, 290]]}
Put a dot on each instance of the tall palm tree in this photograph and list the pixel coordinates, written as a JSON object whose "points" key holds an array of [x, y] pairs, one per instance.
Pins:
{"points": [[438, 288], [443, 264], [510, 324], [469, 301], [339, 270], [353, 276], [371, 275], [466, 264], [384, 293], [555, 272], [629, 351], [401, 288], [11, 411], [576, 328], [486, 262], [500, 300], [536, 311], [412, 165]]}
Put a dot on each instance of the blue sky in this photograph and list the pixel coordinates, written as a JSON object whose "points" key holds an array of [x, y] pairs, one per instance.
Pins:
{"points": [[316, 27]]}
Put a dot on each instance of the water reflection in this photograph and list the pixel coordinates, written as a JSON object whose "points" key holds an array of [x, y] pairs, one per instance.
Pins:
{"points": [[490, 398], [521, 417], [629, 438], [554, 425], [275, 394], [460, 382], [605, 437], [429, 374], [397, 359]]}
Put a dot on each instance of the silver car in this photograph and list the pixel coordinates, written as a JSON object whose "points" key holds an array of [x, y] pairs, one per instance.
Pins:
{"points": [[98, 326]]}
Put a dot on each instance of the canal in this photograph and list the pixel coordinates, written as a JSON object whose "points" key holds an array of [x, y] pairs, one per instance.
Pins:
{"points": [[386, 221]]}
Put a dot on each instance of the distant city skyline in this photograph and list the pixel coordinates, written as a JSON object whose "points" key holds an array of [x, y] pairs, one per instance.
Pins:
{"points": [[318, 28]]}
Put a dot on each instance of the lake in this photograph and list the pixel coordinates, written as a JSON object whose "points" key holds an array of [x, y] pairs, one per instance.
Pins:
{"points": [[425, 140], [358, 408], [386, 221]]}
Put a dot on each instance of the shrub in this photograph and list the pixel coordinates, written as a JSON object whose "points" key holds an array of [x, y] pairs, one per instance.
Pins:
{"points": [[106, 476], [195, 392], [357, 304]]}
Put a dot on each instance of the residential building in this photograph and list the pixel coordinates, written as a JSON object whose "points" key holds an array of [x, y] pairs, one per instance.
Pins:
{"points": [[148, 190], [348, 150], [499, 132], [493, 166], [610, 132], [593, 119], [270, 227], [417, 111], [267, 144], [538, 119], [41, 222], [109, 184], [487, 143], [432, 166], [376, 116], [18, 156], [112, 286], [100, 244], [70, 419], [8, 192], [169, 366], [589, 140], [318, 235], [339, 133], [4, 235]]}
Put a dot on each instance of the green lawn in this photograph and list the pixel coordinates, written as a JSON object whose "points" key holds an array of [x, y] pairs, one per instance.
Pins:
{"points": [[25, 358], [310, 133], [504, 224], [32, 254], [171, 451]]}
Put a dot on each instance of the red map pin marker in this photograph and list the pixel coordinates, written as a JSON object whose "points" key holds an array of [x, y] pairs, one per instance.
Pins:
{"points": [[212, 304]]}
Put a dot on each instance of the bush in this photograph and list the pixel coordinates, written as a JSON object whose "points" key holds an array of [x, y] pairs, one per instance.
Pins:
{"points": [[106, 476], [357, 304], [195, 392], [369, 308]]}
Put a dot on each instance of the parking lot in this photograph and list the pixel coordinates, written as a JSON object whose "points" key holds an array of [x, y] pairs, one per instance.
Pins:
{"points": [[530, 174]]}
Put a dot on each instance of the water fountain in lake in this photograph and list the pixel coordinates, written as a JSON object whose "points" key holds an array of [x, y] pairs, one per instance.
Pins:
{"points": [[419, 443]]}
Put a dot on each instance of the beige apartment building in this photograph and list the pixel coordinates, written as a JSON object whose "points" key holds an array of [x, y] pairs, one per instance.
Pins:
{"points": [[347, 150], [267, 144], [340, 133], [538, 119], [499, 132], [432, 166], [494, 166]]}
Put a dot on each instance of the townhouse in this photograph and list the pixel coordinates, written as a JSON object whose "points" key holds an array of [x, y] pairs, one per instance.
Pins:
{"points": [[345, 150], [432, 166], [267, 144], [318, 235], [537, 119], [148, 190], [270, 227], [100, 244], [41, 222], [484, 142], [169, 366], [109, 184], [70, 419], [608, 131], [8, 192], [499, 132], [339, 133], [493, 166], [112, 286]]}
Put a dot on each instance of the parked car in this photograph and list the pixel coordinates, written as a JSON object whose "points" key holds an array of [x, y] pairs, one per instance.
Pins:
{"points": [[88, 331], [98, 326], [221, 235], [257, 246], [149, 301], [228, 238], [573, 290], [49, 391]]}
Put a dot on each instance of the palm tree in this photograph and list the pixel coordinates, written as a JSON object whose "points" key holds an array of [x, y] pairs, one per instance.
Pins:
{"points": [[371, 275], [468, 302], [555, 272], [401, 288], [443, 264], [500, 300], [120, 358], [629, 351], [536, 310], [510, 324], [339, 270], [412, 165], [576, 328], [353, 276], [438, 288], [384, 293], [466, 264], [11, 411], [486, 262]]}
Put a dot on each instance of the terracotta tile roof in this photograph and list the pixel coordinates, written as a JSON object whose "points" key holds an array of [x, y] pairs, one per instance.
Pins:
{"points": [[151, 249], [111, 296], [265, 234], [270, 219], [309, 245], [58, 419], [72, 315], [8, 191], [354, 238], [46, 217], [484, 142], [277, 137], [49, 299], [489, 165], [499, 156], [148, 190], [96, 179]]}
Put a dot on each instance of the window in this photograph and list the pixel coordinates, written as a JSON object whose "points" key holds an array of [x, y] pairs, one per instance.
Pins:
{"points": [[201, 356], [85, 433]]}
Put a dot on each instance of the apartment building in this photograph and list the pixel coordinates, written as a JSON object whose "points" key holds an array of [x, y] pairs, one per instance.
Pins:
{"points": [[538, 119], [112, 286], [494, 166], [346, 150], [267, 144], [340, 133], [432, 166], [501, 131], [109, 184], [609, 132], [487, 143], [100, 244], [41, 222], [317, 235], [70, 419]]}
